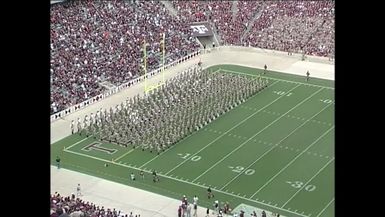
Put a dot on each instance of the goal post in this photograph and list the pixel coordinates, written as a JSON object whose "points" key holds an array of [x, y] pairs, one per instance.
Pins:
{"points": [[148, 87]]}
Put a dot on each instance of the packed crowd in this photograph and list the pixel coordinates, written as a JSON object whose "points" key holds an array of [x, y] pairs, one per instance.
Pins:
{"points": [[231, 33], [194, 11], [229, 24], [94, 41], [296, 26], [293, 26], [165, 116], [75, 207]]}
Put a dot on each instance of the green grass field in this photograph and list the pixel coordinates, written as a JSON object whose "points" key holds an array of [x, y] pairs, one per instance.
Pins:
{"points": [[274, 152]]}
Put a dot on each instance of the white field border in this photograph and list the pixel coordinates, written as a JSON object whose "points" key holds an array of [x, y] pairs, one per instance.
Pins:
{"points": [[278, 79], [200, 185]]}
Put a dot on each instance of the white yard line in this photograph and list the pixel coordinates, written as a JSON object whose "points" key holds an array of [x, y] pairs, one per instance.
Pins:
{"points": [[76, 143], [124, 155], [294, 159], [164, 151], [259, 159], [308, 182], [241, 145], [187, 182], [229, 130], [325, 207], [278, 79]]}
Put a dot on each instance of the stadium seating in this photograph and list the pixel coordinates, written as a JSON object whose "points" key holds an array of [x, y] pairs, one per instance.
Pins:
{"points": [[102, 41], [95, 41], [76, 207], [297, 26]]}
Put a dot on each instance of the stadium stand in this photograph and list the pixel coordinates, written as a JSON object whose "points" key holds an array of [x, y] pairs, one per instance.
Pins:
{"points": [[76, 207], [96, 41], [296, 26], [100, 42]]}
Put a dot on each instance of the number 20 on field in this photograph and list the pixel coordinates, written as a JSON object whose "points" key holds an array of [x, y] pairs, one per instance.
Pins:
{"points": [[281, 93], [239, 169]]}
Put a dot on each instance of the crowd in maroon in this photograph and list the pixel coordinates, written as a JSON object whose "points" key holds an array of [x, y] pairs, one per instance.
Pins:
{"points": [[296, 26], [76, 207], [95, 41]]}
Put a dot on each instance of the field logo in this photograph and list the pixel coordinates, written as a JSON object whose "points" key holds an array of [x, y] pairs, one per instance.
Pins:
{"points": [[97, 146]]}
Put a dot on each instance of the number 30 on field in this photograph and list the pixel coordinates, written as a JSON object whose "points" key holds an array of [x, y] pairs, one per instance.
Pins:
{"points": [[298, 184]]}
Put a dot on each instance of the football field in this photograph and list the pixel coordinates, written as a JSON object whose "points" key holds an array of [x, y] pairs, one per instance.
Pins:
{"points": [[274, 152]]}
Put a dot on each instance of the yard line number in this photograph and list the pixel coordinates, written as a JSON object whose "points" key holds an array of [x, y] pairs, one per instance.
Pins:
{"points": [[240, 169], [186, 155], [281, 93], [299, 184], [327, 101]]}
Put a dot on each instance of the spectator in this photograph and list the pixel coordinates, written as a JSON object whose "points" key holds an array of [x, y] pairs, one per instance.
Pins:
{"points": [[58, 162], [263, 213], [78, 191]]}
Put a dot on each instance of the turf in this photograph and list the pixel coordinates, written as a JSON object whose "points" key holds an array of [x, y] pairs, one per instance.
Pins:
{"points": [[275, 152]]}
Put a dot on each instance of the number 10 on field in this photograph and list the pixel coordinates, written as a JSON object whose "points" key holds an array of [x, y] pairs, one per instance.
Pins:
{"points": [[187, 155]]}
